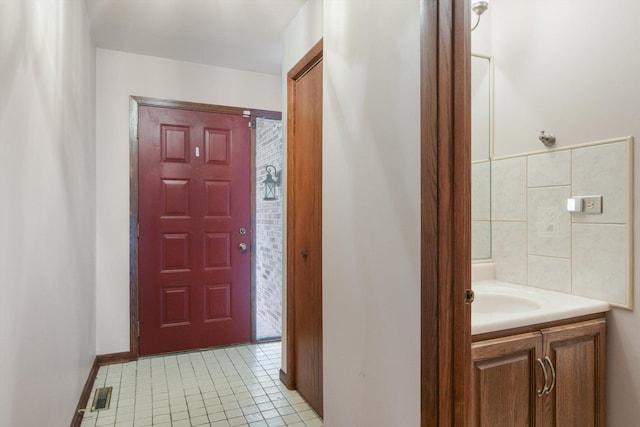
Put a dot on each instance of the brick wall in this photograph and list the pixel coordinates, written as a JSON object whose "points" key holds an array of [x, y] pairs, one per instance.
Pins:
{"points": [[269, 146]]}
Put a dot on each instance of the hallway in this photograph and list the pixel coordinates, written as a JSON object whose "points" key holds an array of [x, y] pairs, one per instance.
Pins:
{"points": [[231, 386], [66, 213]]}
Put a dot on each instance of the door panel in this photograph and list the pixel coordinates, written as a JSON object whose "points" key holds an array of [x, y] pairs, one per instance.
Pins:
{"points": [[194, 196], [577, 353], [505, 380], [305, 231]]}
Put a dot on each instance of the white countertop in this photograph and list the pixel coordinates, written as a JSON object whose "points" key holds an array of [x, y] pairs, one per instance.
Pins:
{"points": [[500, 305]]}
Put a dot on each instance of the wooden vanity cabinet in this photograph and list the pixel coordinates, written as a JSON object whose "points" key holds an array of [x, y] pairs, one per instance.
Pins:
{"points": [[509, 384], [505, 381], [577, 352]]}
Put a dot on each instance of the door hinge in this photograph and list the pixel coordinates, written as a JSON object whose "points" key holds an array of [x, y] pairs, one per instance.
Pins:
{"points": [[252, 124], [138, 326], [138, 230]]}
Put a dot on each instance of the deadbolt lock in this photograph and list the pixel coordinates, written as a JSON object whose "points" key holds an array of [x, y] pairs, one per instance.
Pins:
{"points": [[242, 231]]}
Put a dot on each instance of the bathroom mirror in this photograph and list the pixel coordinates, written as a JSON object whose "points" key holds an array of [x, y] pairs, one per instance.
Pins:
{"points": [[480, 157]]}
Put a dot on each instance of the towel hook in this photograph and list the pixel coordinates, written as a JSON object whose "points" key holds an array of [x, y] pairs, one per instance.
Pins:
{"points": [[547, 139]]}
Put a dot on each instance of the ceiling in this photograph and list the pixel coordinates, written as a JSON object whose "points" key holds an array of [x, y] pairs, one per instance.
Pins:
{"points": [[241, 34]]}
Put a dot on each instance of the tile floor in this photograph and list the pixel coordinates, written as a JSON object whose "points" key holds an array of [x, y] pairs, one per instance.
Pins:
{"points": [[231, 386]]}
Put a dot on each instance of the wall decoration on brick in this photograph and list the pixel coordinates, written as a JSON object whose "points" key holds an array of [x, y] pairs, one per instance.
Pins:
{"points": [[268, 232]]}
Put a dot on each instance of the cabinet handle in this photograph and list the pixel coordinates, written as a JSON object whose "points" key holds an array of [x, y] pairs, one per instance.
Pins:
{"points": [[546, 378], [553, 374]]}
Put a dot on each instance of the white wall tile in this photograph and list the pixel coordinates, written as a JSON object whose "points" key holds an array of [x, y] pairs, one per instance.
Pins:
{"points": [[550, 273], [549, 223], [509, 189], [551, 248], [480, 240], [481, 191], [509, 250], [602, 170], [599, 267], [549, 169]]}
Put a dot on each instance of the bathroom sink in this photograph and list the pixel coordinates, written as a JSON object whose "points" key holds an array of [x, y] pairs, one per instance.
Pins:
{"points": [[490, 302], [500, 306]]}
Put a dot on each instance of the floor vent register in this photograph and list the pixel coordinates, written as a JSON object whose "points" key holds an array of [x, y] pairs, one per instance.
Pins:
{"points": [[102, 399]]}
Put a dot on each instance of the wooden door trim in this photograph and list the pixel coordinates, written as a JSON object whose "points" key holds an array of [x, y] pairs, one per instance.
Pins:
{"points": [[134, 103], [308, 61], [445, 213], [207, 108]]}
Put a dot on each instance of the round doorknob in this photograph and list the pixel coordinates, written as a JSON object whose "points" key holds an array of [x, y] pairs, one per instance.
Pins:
{"points": [[242, 247], [469, 296]]}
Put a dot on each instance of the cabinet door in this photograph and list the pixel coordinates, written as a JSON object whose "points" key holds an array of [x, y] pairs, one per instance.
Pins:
{"points": [[578, 355], [506, 377]]}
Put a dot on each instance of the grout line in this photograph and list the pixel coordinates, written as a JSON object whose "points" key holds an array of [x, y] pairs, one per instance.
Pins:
{"points": [[251, 366]]}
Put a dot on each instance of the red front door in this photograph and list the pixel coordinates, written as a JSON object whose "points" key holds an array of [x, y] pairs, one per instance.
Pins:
{"points": [[195, 215]]}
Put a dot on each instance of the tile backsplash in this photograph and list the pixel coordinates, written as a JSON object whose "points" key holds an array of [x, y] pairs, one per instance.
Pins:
{"points": [[481, 209], [537, 242]]}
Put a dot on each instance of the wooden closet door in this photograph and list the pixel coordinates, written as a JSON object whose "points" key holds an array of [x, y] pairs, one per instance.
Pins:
{"points": [[304, 230]]}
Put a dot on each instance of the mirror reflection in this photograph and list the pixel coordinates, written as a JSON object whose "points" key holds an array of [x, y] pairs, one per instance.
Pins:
{"points": [[481, 157]]}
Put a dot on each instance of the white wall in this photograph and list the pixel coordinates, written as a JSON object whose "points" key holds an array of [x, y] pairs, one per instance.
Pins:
{"points": [[371, 213], [571, 68], [120, 75], [47, 212], [302, 33], [481, 36], [567, 67]]}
